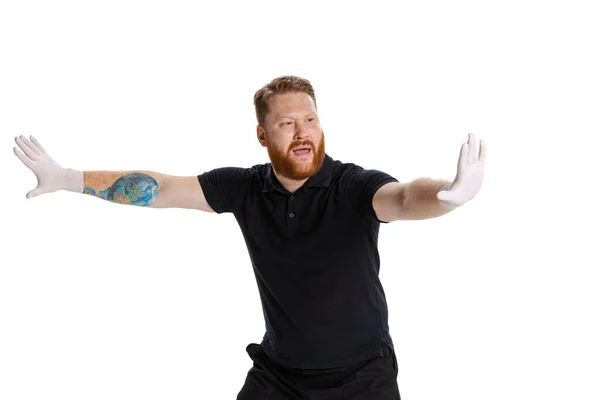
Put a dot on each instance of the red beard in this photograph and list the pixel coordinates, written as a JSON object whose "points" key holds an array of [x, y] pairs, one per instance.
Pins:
{"points": [[283, 162]]}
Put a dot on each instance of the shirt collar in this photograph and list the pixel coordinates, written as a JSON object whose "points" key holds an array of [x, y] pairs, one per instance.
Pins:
{"points": [[321, 179]]}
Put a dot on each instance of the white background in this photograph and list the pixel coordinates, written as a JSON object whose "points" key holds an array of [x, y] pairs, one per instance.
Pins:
{"points": [[496, 300]]}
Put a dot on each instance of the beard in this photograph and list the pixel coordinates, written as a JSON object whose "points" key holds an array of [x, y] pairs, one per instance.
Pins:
{"points": [[285, 165]]}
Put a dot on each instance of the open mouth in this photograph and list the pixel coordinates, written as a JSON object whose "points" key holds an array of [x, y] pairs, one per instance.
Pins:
{"points": [[302, 151]]}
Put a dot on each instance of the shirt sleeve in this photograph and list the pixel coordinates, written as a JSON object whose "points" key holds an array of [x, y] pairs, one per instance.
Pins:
{"points": [[223, 188], [362, 184]]}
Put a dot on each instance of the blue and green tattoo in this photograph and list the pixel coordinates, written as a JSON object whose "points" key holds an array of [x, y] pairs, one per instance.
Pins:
{"points": [[134, 188]]}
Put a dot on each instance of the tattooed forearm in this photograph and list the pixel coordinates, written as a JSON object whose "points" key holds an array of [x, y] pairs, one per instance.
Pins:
{"points": [[135, 188]]}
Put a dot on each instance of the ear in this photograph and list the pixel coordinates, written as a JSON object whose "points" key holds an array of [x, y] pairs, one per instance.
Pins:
{"points": [[261, 136]]}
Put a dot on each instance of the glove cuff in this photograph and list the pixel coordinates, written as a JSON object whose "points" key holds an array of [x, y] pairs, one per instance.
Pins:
{"points": [[446, 204], [73, 180]]}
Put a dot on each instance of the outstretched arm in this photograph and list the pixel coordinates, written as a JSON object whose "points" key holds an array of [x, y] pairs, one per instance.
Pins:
{"points": [[428, 198], [140, 188]]}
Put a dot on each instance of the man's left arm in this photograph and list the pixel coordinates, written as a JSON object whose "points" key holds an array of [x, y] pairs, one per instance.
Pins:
{"points": [[425, 198]]}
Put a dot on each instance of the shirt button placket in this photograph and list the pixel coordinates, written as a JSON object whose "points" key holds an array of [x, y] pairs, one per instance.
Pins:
{"points": [[290, 207]]}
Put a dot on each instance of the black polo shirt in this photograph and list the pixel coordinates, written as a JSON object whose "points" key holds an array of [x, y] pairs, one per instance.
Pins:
{"points": [[315, 259]]}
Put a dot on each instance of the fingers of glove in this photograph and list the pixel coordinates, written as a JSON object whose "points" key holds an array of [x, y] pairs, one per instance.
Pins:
{"points": [[32, 146], [26, 149], [38, 145], [473, 156], [482, 151], [34, 192], [26, 160], [463, 158]]}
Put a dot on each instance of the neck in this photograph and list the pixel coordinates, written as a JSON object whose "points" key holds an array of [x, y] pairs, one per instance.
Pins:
{"points": [[290, 185]]}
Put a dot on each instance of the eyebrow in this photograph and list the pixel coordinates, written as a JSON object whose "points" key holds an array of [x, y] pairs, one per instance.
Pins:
{"points": [[290, 117]]}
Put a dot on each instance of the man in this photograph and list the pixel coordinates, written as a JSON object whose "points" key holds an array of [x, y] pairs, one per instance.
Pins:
{"points": [[311, 226]]}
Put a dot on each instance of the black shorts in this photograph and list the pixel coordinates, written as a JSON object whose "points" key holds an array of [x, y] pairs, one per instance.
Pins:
{"points": [[374, 379]]}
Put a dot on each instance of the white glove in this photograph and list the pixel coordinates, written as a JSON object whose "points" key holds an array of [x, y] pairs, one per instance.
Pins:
{"points": [[50, 175], [469, 176]]}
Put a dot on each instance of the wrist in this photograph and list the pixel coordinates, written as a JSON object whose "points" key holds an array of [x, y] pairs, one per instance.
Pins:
{"points": [[448, 205], [445, 203], [445, 186], [73, 180]]}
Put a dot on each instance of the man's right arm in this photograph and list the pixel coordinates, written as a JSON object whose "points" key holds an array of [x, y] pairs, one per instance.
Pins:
{"points": [[141, 188], [146, 189]]}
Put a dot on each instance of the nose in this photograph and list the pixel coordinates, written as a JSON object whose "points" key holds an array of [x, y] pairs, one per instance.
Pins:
{"points": [[301, 132]]}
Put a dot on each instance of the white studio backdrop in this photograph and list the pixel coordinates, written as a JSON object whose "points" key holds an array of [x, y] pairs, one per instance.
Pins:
{"points": [[495, 300]]}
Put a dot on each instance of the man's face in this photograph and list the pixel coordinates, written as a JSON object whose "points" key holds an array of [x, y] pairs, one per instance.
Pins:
{"points": [[291, 125]]}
